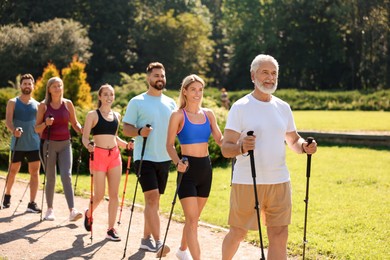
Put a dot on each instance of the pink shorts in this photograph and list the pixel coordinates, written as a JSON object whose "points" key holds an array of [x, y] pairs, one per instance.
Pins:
{"points": [[106, 159]]}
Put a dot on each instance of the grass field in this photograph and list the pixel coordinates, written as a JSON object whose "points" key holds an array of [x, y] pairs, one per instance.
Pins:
{"points": [[342, 120], [349, 205]]}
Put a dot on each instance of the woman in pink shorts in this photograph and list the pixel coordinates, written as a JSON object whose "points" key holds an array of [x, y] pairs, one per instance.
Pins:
{"points": [[103, 124]]}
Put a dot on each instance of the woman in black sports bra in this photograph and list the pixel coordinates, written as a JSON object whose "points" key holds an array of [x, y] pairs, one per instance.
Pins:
{"points": [[103, 124]]}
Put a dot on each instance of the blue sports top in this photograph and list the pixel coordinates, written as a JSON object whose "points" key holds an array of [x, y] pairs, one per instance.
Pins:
{"points": [[194, 133], [104, 127], [25, 117]]}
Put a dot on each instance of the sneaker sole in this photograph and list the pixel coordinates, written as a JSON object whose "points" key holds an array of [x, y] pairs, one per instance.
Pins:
{"points": [[162, 252], [113, 239], [77, 217], [147, 248], [32, 211]]}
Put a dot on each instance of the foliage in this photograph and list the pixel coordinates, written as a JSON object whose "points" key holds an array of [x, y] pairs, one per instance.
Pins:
{"points": [[40, 86], [336, 100], [184, 39], [30, 48], [76, 87], [320, 45], [5, 95]]}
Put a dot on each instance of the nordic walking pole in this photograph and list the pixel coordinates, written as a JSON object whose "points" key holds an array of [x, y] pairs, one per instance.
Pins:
{"points": [[46, 159], [308, 166], [9, 166], [160, 253], [90, 220], [20, 201], [129, 154], [252, 158], [78, 165], [135, 191]]}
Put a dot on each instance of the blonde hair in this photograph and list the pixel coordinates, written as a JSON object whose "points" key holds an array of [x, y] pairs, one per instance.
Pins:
{"points": [[50, 82], [102, 87], [184, 85]]}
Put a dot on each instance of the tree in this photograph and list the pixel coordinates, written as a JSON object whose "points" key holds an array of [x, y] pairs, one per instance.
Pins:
{"points": [[180, 42], [14, 44], [76, 87], [29, 49], [40, 85]]}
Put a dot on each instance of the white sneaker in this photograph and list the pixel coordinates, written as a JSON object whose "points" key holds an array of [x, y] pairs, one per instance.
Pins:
{"points": [[183, 255], [50, 214], [75, 215]]}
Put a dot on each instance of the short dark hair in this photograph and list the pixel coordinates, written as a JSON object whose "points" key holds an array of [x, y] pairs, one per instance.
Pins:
{"points": [[154, 65], [26, 76]]}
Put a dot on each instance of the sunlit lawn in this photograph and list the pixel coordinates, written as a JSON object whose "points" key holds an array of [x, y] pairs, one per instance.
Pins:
{"points": [[349, 200], [342, 120], [349, 203]]}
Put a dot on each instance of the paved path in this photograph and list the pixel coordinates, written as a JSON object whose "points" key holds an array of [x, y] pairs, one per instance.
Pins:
{"points": [[23, 236]]}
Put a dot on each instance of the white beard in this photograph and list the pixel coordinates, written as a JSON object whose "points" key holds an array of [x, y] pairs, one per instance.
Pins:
{"points": [[264, 89]]}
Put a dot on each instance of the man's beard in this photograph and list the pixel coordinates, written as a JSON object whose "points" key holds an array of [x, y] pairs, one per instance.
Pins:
{"points": [[260, 86], [158, 86], [26, 91]]}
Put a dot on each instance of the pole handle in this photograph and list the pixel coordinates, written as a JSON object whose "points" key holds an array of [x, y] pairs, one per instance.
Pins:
{"points": [[130, 151], [92, 155], [185, 161], [309, 140], [250, 133]]}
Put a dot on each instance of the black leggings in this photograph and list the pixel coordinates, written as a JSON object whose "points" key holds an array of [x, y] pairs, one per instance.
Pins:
{"points": [[196, 181]]}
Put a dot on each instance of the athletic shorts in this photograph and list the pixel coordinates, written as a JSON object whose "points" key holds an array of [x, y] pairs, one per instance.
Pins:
{"points": [[153, 175], [196, 181], [106, 159], [274, 201], [32, 156]]}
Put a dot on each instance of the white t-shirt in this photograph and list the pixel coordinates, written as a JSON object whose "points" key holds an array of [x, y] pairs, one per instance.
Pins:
{"points": [[270, 122], [156, 111]]}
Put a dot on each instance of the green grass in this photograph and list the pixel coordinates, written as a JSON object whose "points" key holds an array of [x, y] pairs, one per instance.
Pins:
{"points": [[342, 120], [349, 203], [348, 216]]}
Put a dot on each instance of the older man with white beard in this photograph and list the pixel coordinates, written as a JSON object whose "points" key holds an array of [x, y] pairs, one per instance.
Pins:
{"points": [[272, 123]]}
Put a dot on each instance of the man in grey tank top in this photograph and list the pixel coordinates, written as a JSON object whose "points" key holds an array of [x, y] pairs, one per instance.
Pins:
{"points": [[20, 121]]}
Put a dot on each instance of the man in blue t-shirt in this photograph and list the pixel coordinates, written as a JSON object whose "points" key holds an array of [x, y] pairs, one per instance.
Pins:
{"points": [[147, 116], [20, 120]]}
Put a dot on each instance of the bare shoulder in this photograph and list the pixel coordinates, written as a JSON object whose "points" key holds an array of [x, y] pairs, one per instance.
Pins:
{"points": [[11, 103], [92, 113], [67, 101], [178, 113], [118, 115], [209, 112]]}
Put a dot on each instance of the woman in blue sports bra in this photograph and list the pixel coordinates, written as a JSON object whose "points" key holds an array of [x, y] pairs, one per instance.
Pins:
{"points": [[193, 125], [103, 124]]}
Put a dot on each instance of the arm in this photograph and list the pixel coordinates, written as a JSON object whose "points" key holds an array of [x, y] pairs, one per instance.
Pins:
{"points": [[90, 122], [41, 122], [73, 118], [298, 144], [232, 146], [131, 130], [173, 127], [9, 115], [215, 131]]}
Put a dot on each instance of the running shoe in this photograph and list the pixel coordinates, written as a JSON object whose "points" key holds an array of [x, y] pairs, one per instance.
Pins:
{"points": [[147, 244], [112, 235], [33, 207]]}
